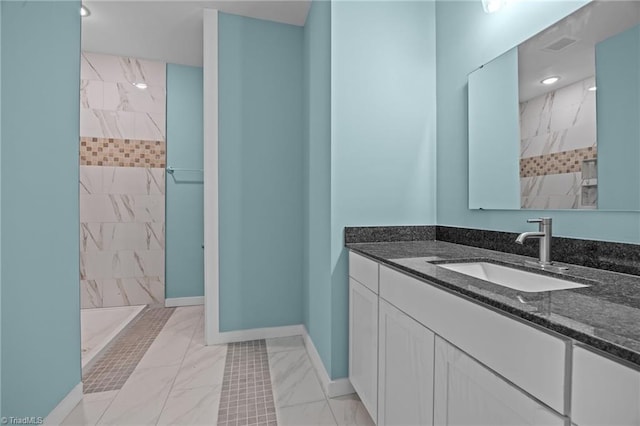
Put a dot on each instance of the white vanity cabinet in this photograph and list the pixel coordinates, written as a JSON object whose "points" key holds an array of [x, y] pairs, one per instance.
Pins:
{"points": [[420, 355], [531, 359], [468, 393], [363, 330], [604, 392], [405, 379]]}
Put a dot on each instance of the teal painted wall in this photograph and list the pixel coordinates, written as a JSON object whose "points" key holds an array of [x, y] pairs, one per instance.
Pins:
{"points": [[40, 210], [0, 208], [467, 38], [260, 173], [184, 197], [494, 134], [618, 97], [317, 179], [383, 117]]}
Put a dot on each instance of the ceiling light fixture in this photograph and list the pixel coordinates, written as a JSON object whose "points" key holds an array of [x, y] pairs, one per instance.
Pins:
{"points": [[492, 6], [550, 80], [592, 89], [84, 11], [140, 85]]}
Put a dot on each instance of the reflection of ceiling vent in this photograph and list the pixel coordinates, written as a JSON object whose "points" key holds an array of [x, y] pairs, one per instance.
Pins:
{"points": [[561, 43]]}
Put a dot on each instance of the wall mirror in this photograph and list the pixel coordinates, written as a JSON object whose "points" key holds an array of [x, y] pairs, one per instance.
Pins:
{"points": [[554, 123]]}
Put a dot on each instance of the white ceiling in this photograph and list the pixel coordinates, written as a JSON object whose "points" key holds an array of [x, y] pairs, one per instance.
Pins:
{"points": [[170, 31], [590, 25]]}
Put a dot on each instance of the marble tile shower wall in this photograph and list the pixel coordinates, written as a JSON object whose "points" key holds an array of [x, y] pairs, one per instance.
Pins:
{"points": [[558, 132], [122, 194], [112, 107]]}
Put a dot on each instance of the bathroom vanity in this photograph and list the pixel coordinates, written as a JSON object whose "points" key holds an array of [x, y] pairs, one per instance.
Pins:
{"points": [[430, 345]]}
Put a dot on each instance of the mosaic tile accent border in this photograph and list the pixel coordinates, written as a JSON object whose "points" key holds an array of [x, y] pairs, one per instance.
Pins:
{"points": [[247, 396], [122, 152], [557, 163], [112, 370]]}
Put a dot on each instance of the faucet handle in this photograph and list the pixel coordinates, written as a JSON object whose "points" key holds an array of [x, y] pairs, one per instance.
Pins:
{"points": [[541, 220]]}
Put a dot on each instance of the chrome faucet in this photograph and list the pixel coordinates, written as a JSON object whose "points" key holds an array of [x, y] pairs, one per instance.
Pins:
{"points": [[544, 235]]}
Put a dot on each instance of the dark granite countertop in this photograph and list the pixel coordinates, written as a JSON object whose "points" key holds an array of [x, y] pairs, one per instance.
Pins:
{"points": [[605, 315]]}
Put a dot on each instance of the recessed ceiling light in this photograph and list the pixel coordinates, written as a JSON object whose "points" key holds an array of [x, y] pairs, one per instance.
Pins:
{"points": [[491, 6], [592, 88], [84, 11], [140, 85], [550, 80]]}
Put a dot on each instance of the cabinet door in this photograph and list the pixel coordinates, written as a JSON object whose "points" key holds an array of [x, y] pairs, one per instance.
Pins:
{"points": [[467, 393], [405, 380], [604, 392], [363, 344]]}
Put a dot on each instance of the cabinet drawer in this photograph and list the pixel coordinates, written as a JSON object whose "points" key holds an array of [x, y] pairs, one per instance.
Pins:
{"points": [[364, 270], [529, 358], [604, 392]]}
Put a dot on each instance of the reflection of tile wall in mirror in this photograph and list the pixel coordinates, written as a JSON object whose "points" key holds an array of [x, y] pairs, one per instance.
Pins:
{"points": [[552, 191], [558, 136], [589, 197]]}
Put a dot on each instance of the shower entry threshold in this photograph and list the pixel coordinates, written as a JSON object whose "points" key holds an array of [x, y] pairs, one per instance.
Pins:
{"points": [[100, 326]]}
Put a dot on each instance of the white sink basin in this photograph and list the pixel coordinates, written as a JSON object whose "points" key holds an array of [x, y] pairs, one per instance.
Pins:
{"points": [[511, 277]]}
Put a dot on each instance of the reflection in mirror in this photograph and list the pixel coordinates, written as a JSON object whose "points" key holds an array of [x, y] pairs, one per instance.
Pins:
{"points": [[578, 94]]}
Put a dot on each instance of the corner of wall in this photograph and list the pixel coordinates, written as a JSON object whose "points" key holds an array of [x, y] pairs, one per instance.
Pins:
{"points": [[40, 309], [317, 186]]}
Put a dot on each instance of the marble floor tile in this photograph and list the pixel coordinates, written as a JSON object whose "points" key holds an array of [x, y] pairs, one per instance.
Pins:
{"points": [[100, 326], [314, 413], [112, 370], [184, 321], [198, 406], [349, 411], [280, 344], [170, 347], [198, 336], [294, 379], [90, 409], [141, 399], [203, 366]]}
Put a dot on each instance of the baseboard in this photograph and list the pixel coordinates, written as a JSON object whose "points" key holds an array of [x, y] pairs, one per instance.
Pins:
{"points": [[66, 406], [340, 387], [183, 301], [257, 334], [332, 388]]}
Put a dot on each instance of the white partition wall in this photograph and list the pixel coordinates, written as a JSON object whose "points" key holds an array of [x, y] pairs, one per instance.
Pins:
{"points": [[210, 99]]}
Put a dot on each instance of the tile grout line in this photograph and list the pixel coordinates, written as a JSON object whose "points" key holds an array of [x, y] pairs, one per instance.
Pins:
{"points": [[164, 404], [107, 407]]}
